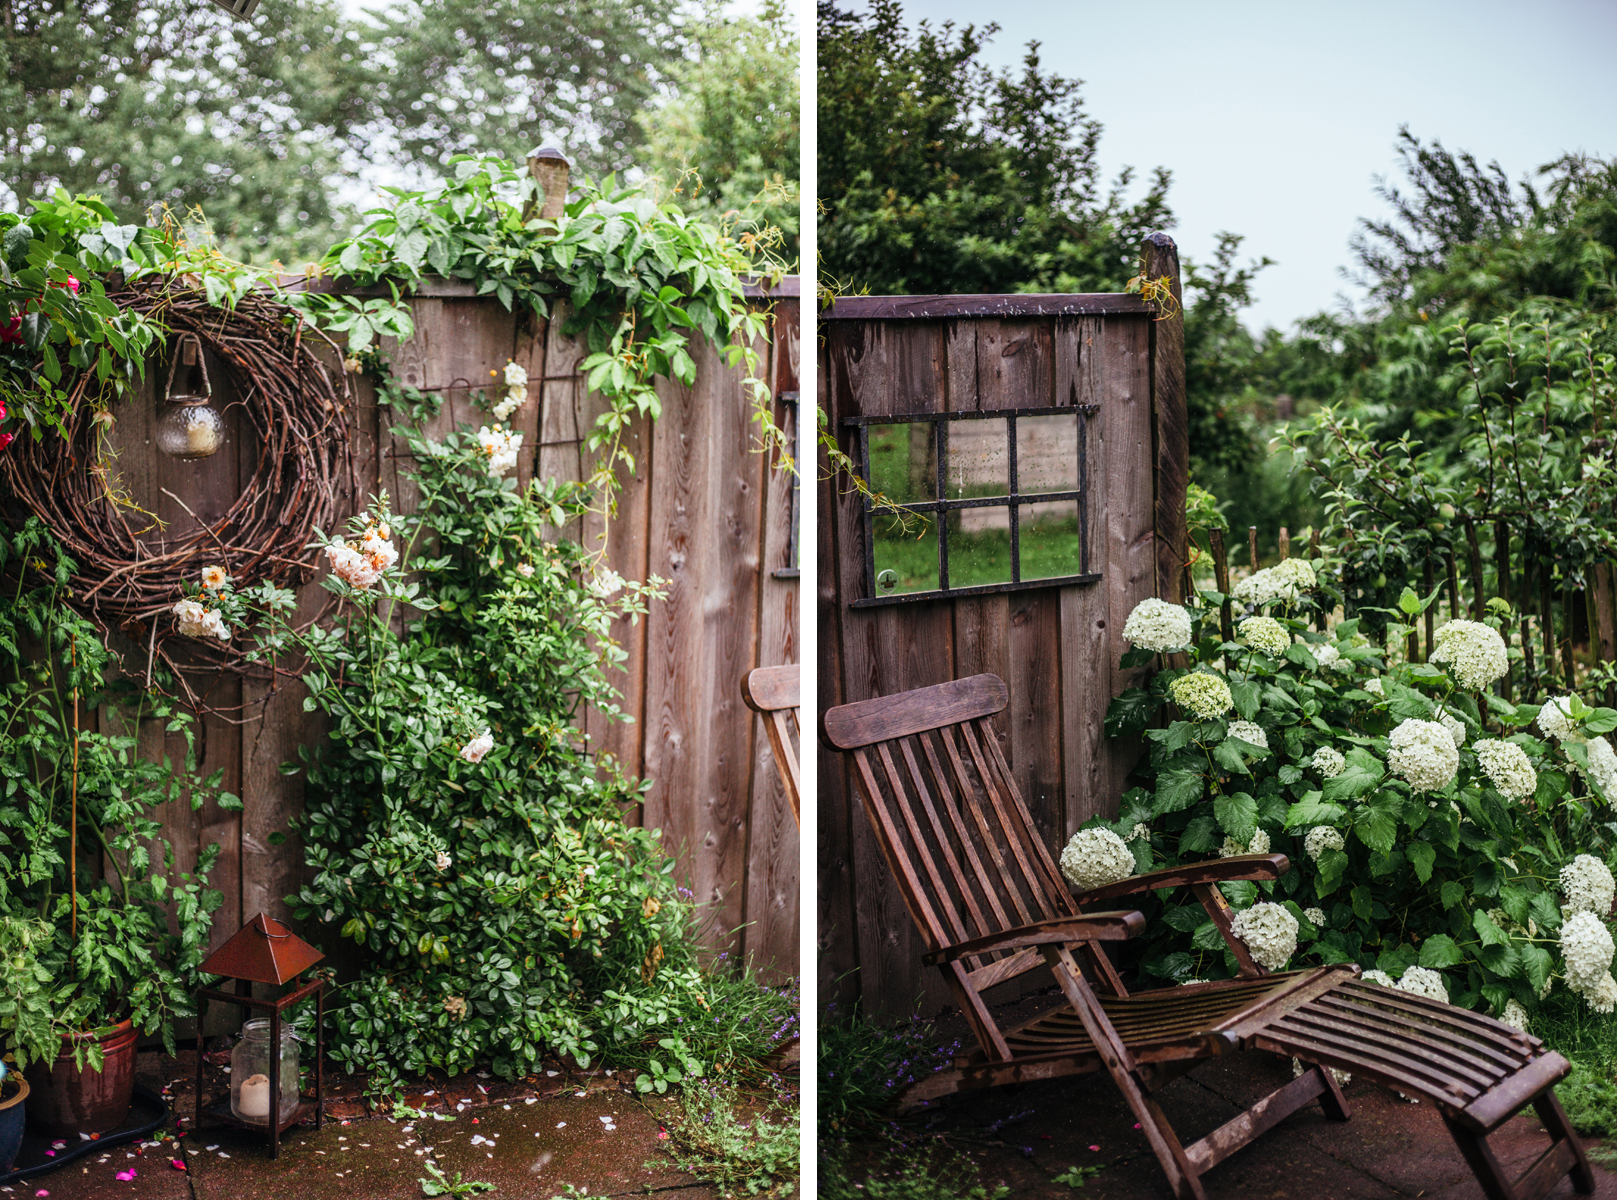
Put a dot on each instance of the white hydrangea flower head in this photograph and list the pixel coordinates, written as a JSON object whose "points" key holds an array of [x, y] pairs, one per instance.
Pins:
{"points": [[1586, 949], [1506, 764], [1297, 573], [1373, 686], [1587, 884], [1157, 625], [1555, 718], [1456, 728], [1094, 858], [1330, 658], [1259, 843], [1423, 754], [1602, 997], [474, 750], [1265, 634], [1249, 732], [1378, 977], [1603, 765], [1474, 652], [1231, 848], [1316, 917], [1264, 587], [1514, 1015], [1320, 839], [1202, 694], [1419, 981], [1140, 833], [1328, 762], [502, 447], [1269, 931]]}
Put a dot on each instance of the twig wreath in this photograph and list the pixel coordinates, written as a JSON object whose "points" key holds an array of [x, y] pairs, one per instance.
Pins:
{"points": [[305, 467]]}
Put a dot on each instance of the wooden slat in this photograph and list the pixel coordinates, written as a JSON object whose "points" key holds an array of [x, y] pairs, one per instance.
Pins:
{"points": [[1255, 1121], [1488, 1111], [866, 722], [943, 307], [1170, 420], [1220, 870], [767, 689], [1103, 927]]}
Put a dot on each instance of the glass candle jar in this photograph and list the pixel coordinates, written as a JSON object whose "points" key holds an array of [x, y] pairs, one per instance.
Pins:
{"points": [[250, 1073], [190, 430]]}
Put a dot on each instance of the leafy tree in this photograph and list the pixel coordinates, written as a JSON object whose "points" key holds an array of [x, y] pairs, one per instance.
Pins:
{"points": [[151, 102], [492, 76], [729, 138], [938, 174]]}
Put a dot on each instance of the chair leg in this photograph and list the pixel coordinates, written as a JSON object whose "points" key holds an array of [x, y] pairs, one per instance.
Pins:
{"points": [[1550, 1112], [1330, 1098], [1479, 1156]]}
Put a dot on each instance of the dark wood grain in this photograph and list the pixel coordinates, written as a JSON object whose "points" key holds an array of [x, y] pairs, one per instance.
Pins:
{"points": [[1218, 870], [1171, 423], [949, 307]]}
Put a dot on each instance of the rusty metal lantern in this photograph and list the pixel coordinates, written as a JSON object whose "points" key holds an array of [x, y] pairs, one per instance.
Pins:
{"points": [[266, 951], [189, 426]]}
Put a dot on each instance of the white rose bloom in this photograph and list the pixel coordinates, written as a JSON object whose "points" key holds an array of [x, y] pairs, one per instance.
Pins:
{"points": [[515, 375], [1373, 686], [502, 447], [1419, 981], [356, 569], [1250, 733], [1587, 884], [1423, 754], [1201, 694], [375, 545], [606, 583], [1156, 625], [1507, 765], [214, 578], [1456, 728], [1555, 718], [1269, 931], [1378, 977], [1474, 652], [1266, 634], [1320, 839], [1328, 762], [213, 624], [474, 750], [442, 861], [1514, 1015], [1094, 858], [196, 620], [525, 570], [1316, 917], [1586, 949], [1603, 766]]}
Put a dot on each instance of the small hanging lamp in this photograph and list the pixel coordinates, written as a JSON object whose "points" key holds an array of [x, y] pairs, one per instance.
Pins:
{"points": [[189, 425]]}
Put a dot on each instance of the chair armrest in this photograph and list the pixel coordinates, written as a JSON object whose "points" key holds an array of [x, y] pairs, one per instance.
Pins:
{"points": [[1090, 927], [1217, 870]]}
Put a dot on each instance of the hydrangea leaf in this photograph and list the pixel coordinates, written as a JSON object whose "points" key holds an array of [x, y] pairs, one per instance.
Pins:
{"points": [[1503, 961], [1545, 912], [1485, 878], [1376, 823], [1422, 856], [1361, 772], [1439, 951], [1398, 960], [1200, 836], [1298, 653], [1177, 789], [1241, 893], [1602, 720], [1248, 697], [1143, 860], [1207, 937], [1332, 866], [1363, 901], [1232, 753], [1237, 815], [1130, 713], [1537, 963], [1490, 933], [1185, 917], [1290, 774], [1311, 810]]}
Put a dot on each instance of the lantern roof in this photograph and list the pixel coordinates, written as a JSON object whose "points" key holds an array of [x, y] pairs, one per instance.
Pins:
{"points": [[263, 951]]}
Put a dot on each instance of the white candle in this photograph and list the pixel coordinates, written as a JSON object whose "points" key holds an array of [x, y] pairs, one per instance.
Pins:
{"points": [[253, 1102]]}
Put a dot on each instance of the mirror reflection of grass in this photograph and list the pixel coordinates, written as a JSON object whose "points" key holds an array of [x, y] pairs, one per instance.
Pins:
{"points": [[1049, 549]]}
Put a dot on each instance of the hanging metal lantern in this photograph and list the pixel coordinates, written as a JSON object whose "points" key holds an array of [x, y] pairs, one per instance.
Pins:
{"points": [[189, 426], [242, 10]]}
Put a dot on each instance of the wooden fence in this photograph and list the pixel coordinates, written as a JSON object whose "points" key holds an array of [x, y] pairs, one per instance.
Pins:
{"points": [[1057, 647], [705, 510]]}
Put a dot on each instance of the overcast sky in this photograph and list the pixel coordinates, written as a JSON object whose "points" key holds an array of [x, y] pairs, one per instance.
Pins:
{"points": [[1276, 117]]}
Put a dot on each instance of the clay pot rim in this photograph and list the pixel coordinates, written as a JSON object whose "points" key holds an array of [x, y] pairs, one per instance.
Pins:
{"points": [[101, 1033], [22, 1091]]}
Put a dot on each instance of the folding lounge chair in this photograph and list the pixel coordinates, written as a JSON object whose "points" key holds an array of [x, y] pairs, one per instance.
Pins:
{"points": [[772, 692], [990, 903]]}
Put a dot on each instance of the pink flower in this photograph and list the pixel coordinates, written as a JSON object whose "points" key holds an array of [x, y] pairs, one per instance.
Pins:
{"points": [[177, 1163], [1095, 1148], [5, 440]]}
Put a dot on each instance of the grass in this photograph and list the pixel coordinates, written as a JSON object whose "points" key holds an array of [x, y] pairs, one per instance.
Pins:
{"points": [[741, 1154], [862, 1067], [899, 1172], [1048, 549], [1589, 1041]]}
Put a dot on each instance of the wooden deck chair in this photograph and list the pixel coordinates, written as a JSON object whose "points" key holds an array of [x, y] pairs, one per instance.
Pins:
{"points": [[989, 901], [772, 692]]}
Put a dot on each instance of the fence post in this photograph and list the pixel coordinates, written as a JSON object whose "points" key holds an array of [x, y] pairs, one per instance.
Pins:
{"points": [[1454, 587], [1252, 546], [1476, 569], [549, 166], [1221, 575], [1285, 544], [1169, 418]]}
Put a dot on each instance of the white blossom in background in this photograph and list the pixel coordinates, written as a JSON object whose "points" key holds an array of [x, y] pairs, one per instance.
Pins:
{"points": [[195, 620], [1263, 587], [606, 583], [474, 750], [1373, 686], [1514, 1015], [1378, 977], [1456, 728], [1316, 917], [1474, 652], [353, 568], [1419, 981], [1603, 765], [1203, 695], [1330, 658], [502, 447], [1555, 718], [516, 391], [525, 570], [1587, 884], [1423, 754], [1140, 833], [1269, 931], [1320, 839], [1094, 858], [1250, 733], [1586, 950], [1296, 573], [1507, 765], [214, 578], [1156, 625], [1328, 762], [1258, 845], [1602, 997], [442, 861], [1266, 634]]}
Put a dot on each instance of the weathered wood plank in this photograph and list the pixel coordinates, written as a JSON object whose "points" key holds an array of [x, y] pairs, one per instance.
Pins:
{"points": [[1170, 420], [948, 307]]}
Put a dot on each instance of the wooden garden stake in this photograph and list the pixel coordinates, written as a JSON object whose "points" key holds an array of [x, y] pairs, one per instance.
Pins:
{"points": [[1546, 608], [1566, 643], [1431, 617], [550, 168], [1313, 552], [1454, 588], [1477, 601], [1285, 544], [1252, 545], [1221, 576]]}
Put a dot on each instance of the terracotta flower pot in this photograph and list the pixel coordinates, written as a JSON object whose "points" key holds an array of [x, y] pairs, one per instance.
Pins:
{"points": [[12, 1095], [65, 1101]]}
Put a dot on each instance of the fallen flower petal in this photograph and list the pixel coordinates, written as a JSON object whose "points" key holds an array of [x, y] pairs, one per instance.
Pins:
{"points": [[177, 1163]]}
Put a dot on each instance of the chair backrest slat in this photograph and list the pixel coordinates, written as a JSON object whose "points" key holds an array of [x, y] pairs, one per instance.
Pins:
{"points": [[773, 693], [950, 820]]}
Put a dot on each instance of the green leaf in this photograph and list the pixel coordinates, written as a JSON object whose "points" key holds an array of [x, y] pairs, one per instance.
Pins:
{"points": [[1199, 837], [1452, 893], [1439, 951], [1422, 856], [1177, 789], [1375, 827], [1237, 815], [1363, 901], [1490, 933], [1248, 698], [1314, 812], [1361, 773], [1127, 715], [1537, 964]]}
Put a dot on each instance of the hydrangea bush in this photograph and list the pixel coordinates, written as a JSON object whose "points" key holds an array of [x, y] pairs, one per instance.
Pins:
{"points": [[1451, 843]]}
